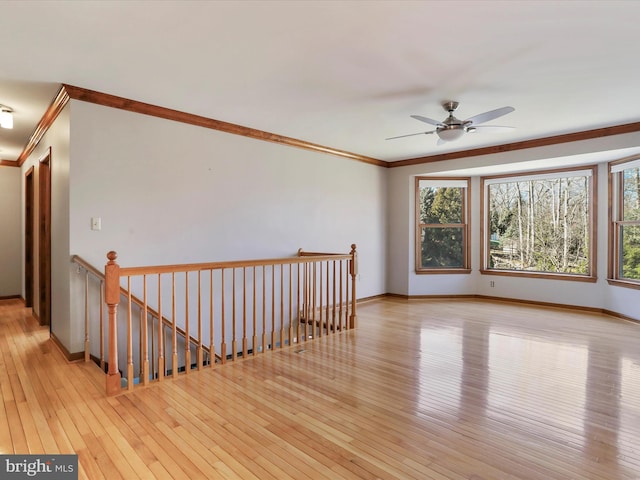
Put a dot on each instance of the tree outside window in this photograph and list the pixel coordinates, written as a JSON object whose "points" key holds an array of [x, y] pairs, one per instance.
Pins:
{"points": [[442, 225], [540, 224]]}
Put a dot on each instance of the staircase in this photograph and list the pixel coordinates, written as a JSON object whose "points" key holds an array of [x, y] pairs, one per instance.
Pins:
{"points": [[164, 321]]}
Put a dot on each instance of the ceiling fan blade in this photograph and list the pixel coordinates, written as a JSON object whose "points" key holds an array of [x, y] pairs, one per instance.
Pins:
{"points": [[490, 115], [430, 121], [410, 135], [490, 129]]}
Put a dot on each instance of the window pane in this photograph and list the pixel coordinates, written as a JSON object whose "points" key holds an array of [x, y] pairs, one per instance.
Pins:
{"points": [[540, 225], [631, 252], [442, 247], [440, 205], [631, 194]]}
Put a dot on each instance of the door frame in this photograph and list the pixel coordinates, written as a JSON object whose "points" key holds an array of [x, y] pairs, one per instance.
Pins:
{"points": [[29, 230], [44, 239]]}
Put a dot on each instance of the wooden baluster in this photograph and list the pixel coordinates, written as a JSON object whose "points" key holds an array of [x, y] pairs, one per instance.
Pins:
{"points": [[174, 329], [140, 320], [297, 319], [144, 337], [102, 363], [341, 297], [347, 305], [334, 298], [264, 310], [223, 344], [130, 378], [354, 273], [87, 351], [291, 319], [313, 300], [234, 342], [152, 336], [281, 332], [305, 299], [187, 338], [212, 347], [320, 299], [254, 338], [244, 312], [273, 307], [112, 296], [199, 351], [161, 363], [328, 305], [307, 317]]}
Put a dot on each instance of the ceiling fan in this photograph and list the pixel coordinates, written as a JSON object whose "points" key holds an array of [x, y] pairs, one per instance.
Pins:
{"points": [[452, 129]]}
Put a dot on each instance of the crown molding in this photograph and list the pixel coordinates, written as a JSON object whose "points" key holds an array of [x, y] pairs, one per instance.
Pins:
{"points": [[59, 102], [107, 100], [9, 163], [68, 92], [510, 147]]}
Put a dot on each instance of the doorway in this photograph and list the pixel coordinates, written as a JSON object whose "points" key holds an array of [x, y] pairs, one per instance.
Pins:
{"points": [[29, 266], [44, 240]]}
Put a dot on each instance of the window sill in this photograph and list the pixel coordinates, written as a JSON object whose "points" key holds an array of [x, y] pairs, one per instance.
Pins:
{"points": [[623, 283], [541, 275], [447, 271]]}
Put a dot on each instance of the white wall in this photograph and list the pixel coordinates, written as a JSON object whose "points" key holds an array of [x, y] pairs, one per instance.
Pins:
{"points": [[56, 138], [169, 193], [10, 238], [403, 279]]}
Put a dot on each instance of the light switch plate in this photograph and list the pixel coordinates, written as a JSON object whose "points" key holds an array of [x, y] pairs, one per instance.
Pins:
{"points": [[96, 223]]}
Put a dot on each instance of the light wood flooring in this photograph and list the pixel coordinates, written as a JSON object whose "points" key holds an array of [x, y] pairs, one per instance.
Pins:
{"points": [[423, 389]]}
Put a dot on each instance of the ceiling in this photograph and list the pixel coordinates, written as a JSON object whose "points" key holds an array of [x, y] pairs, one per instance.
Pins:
{"points": [[343, 74]]}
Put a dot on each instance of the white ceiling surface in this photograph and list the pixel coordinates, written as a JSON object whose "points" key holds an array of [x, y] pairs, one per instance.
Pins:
{"points": [[344, 74]]}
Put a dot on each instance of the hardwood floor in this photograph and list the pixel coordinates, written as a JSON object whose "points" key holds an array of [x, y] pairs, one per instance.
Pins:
{"points": [[423, 389]]}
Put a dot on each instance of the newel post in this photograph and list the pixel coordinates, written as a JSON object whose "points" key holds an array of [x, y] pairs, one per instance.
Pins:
{"points": [[112, 298], [353, 270]]}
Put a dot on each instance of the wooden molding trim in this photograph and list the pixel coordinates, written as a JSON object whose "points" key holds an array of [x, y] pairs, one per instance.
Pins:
{"points": [[510, 147], [611, 313], [59, 102], [104, 99], [623, 283], [9, 163], [71, 357], [582, 308], [11, 297], [77, 93], [371, 299], [541, 304]]}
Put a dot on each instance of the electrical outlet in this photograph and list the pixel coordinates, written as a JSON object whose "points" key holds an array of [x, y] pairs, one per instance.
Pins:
{"points": [[492, 283]]}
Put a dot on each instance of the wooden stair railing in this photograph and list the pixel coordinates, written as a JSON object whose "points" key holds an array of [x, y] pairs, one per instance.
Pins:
{"points": [[236, 308], [97, 275]]}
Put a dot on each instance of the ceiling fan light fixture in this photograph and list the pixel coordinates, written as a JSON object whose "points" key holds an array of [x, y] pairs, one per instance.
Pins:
{"points": [[6, 117], [450, 134]]}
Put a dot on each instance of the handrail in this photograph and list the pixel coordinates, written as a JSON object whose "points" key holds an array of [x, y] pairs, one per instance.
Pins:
{"points": [[304, 253], [266, 304], [194, 267], [87, 266]]}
